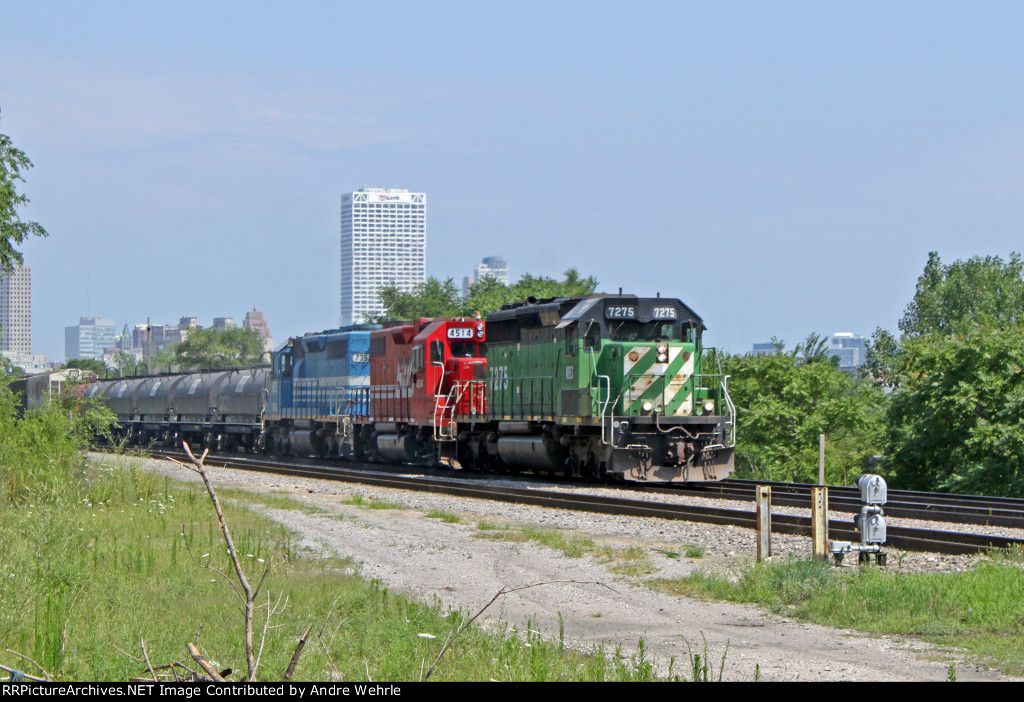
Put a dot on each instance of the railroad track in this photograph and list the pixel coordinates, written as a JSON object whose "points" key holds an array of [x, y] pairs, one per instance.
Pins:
{"points": [[901, 538], [902, 504]]}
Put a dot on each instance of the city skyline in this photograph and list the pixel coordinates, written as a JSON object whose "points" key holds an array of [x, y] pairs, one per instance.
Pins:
{"points": [[742, 157]]}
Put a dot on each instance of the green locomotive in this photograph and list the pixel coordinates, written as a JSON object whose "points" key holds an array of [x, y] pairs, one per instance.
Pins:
{"points": [[598, 386]]}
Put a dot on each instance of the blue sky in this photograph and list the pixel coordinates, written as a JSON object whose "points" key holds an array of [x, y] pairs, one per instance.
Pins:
{"points": [[782, 167]]}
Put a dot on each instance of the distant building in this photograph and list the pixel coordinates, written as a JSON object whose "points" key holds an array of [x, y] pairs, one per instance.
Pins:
{"points": [[765, 349], [383, 242], [90, 338], [16, 311], [31, 363], [493, 267], [222, 324], [850, 349], [255, 320]]}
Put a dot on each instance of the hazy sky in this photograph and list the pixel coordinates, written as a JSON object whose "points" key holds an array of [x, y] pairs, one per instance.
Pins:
{"points": [[781, 167]]}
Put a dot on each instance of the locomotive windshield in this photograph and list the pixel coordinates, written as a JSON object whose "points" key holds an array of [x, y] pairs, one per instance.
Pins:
{"points": [[629, 330], [463, 349]]}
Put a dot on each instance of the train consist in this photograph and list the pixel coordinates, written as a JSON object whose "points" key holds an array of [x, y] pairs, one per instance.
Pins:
{"points": [[601, 387]]}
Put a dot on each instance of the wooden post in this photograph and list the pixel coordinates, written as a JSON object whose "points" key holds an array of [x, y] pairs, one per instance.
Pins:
{"points": [[819, 522], [764, 522], [821, 459]]}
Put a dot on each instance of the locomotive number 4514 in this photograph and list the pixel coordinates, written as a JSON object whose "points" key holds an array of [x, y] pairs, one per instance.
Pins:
{"points": [[460, 333]]}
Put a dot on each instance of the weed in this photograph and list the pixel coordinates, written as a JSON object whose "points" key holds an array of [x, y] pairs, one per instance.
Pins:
{"points": [[444, 516], [372, 503], [694, 551], [700, 666]]}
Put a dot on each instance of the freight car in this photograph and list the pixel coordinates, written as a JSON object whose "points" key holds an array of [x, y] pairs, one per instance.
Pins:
{"points": [[220, 410], [32, 391]]}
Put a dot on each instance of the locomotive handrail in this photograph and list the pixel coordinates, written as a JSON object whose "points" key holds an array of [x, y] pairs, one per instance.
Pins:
{"points": [[732, 410]]}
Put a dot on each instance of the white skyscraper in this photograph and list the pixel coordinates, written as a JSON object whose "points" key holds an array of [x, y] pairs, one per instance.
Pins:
{"points": [[16, 310], [383, 242]]}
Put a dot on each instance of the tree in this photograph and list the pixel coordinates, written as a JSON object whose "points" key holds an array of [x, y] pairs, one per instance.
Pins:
{"points": [[12, 229], [90, 364], [980, 290], [209, 348], [435, 298], [784, 402], [813, 349], [956, 422]]}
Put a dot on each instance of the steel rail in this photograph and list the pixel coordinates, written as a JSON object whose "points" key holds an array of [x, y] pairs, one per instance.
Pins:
{"points": [[845, 501], [909, 539]]}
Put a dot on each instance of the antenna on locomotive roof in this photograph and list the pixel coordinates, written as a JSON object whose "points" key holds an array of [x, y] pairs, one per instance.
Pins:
{"points": [[657, 294], [620, 292]]}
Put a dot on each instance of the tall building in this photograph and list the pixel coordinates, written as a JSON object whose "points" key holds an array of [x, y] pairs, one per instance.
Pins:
{"points": [[383, 242], [493, 267], [256, 320], [850, 349], [89, 338], [16, 310]]}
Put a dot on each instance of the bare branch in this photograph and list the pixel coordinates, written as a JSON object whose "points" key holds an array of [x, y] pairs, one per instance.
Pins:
{"points": [[207, 566], [204, 664], [503, 591], [15, 671], [122, 651], [330, 661], [145, 654], [295, 656], [26, 658]]}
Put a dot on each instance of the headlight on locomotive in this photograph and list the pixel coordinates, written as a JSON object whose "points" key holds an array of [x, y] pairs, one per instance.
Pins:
{"points": [[709, 406], [662, 353]]}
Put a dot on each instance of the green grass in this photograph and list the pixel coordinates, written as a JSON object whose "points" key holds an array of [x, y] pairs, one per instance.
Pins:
{"points": [[79, 578], [632, 561], [444, 516], [694, 551], [571, 545], [372, 503], [981, 610], [272, 500]]}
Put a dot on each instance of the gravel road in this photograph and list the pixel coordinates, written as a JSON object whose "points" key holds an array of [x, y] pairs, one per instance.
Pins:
{"points": [[430, 558]]}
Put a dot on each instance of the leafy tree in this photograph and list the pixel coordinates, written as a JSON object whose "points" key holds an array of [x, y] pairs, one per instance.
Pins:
{"points": [[12, 229], [441, 299], [433, 298], [784, 402], [90, 364], [813, 348], [209, 348], [980, 290], [956, 422], [882, 352]]}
